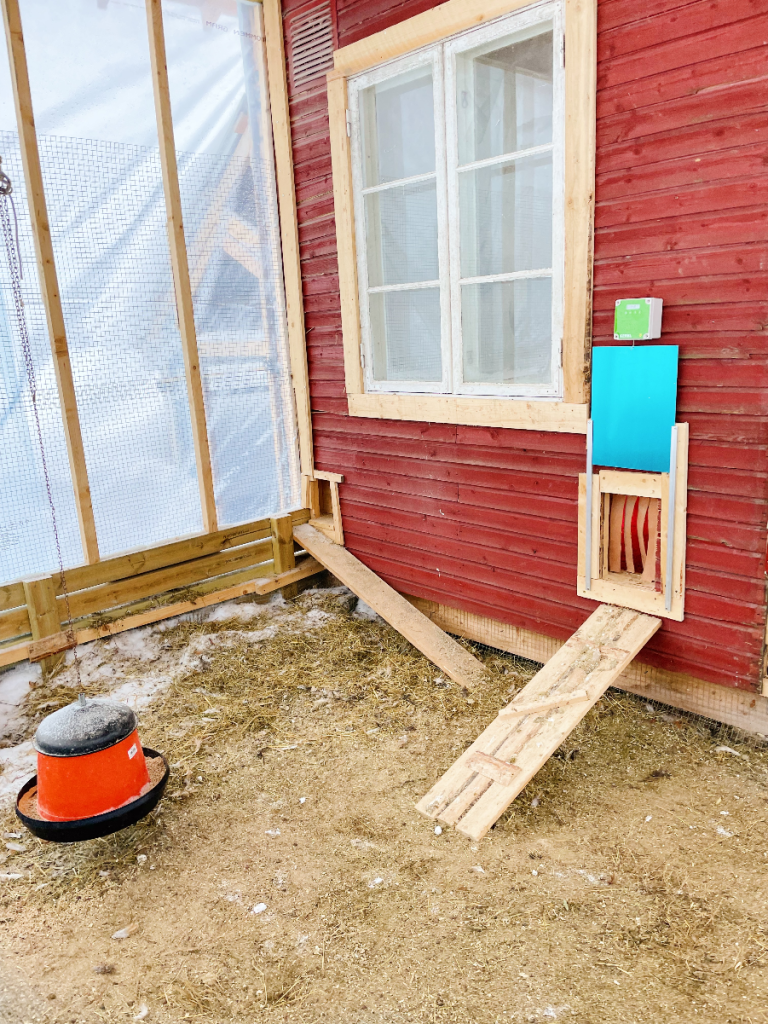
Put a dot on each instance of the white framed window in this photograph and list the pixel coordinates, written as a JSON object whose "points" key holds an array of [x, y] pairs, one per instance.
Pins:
{"points": [[457, 176]]}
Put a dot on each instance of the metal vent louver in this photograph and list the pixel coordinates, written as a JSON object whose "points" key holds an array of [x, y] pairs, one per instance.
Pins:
{"points": [[311, 46]]}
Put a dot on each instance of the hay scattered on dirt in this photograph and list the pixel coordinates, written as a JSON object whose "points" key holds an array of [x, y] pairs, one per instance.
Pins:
{"points": [[626, 882]]}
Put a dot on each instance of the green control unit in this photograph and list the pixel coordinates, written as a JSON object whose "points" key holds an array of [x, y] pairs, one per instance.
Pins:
{"points": [[637, 319]]}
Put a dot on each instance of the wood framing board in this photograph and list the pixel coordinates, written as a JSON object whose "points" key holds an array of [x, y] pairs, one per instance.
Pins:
{"points": [[282, 544], [289, 224], [329, 481], [346, 245], [591, 660], [110, 595], [133, 563], [305, 567], [444, 20], [516, 413], [39, 650], [580, 140], [743, 709], [442, 650], [47, 277], [180, 262]]}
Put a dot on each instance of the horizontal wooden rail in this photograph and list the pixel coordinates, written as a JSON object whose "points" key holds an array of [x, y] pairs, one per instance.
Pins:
{"points": [[110, 595], [132, 563], [145, 579], [129, 618], [12, 595]]}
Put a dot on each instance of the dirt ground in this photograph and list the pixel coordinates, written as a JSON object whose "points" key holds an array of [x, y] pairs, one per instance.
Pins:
{"points": [[287, 877]]}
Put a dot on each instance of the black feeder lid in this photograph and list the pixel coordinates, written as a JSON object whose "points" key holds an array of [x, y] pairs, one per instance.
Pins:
{"points": [[85, 727]]}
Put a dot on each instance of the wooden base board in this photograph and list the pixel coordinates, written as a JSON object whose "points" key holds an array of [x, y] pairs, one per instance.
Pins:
{"points": [[480, 786], [307, 566], [739, 708]]}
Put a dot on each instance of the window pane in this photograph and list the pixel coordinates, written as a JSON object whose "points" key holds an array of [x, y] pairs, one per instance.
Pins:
{"points": [[401, 234], [507, 332], [405, 334], [506, 217], [397, 121], [504, 96]]}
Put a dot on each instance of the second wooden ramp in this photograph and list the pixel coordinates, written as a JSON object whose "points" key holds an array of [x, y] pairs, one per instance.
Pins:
{"points": [[441, 649], [480, 786]]}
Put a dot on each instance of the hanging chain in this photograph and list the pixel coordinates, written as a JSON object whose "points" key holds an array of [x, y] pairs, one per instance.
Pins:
{"points": [[13, 251]]}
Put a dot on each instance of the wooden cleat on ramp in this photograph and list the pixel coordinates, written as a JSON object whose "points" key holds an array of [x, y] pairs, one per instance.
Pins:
{"points": [[481, 785]]}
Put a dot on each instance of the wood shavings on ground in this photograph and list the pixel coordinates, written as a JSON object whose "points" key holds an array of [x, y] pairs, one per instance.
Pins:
{"points": [[290, 792]]}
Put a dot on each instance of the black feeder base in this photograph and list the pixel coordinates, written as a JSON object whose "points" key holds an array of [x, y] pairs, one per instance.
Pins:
{"points": [[100, 824]]}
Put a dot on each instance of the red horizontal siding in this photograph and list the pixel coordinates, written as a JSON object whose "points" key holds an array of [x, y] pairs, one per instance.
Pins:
{"points": [[486, 519]]}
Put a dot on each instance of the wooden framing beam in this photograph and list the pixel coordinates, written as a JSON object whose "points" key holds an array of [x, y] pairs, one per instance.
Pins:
{"points": [[44, 620], [141, 575], [180, 262], [47, 277], [283, 554], [328, 517], [289, 224]]}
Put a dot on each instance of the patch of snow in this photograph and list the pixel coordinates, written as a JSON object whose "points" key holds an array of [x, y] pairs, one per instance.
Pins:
{"points": [[317, 617], [15, 684], [364, 611], [136, 643], [230, 610], [18, 764]]}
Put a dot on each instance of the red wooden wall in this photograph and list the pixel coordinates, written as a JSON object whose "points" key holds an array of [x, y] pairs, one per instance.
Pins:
{"points": [[485, 519]]}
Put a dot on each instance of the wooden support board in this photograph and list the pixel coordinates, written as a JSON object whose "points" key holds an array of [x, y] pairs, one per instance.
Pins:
{"points": [[180, 262], [474, 792], [443, 650], [44, 617]]}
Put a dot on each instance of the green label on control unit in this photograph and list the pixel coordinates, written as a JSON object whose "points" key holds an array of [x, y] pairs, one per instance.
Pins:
{"points": [[632, 321]]}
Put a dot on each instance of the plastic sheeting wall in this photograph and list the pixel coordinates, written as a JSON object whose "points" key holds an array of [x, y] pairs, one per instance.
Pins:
{"points": [[92, 93]]}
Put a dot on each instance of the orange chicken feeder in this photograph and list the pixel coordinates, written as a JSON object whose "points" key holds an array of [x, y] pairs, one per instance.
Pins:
{"points": [[92, 773]]}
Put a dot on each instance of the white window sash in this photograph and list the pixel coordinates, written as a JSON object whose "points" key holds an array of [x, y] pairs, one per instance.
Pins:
{"points": [[518, 21], [442, 57], [431, 55]]}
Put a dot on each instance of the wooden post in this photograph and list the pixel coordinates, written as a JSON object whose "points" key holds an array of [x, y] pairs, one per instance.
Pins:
{"points": [[282, 544], [44, 618], [283, 554], [310, 495], [289, 227], [46, 272], [179, 261]]}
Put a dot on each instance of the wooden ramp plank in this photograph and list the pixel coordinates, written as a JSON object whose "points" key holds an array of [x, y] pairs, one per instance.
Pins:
{"points": [[552, 705], [441, 649]]}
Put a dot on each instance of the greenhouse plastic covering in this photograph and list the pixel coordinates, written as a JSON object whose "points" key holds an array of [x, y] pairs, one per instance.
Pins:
{"points": [[92, 95]]}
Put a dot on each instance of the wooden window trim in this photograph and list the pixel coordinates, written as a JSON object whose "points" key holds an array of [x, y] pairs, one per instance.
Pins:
{"points": [[568, 414]]}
